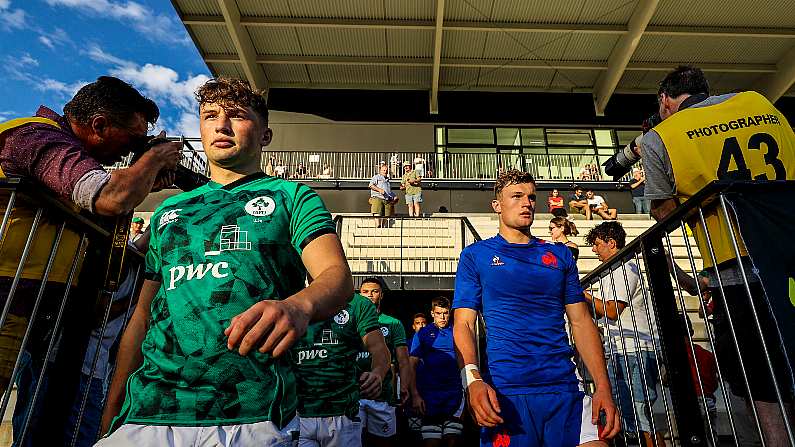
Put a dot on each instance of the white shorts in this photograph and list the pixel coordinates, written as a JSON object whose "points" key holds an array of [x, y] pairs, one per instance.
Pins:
{"points": [[378, 417], [332, 431], [259, 433]]}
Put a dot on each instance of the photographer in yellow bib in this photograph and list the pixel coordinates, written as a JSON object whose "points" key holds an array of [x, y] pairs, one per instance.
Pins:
{"points": [[738, 136]]}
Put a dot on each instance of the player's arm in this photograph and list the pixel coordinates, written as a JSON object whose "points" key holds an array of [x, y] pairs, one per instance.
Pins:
{"points": [[589, 346], [417, 402], [482, 397], [129, 357], [380, 359], [406, 373], [275, 325]]}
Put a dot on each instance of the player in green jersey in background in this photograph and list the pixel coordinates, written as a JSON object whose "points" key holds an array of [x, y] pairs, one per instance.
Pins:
{"points": [[225, 298], [328, 382], [379, 421]]}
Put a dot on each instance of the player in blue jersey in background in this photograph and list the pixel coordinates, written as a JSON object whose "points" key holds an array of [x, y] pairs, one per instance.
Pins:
{"points": [[528, 393], [438, 397]]}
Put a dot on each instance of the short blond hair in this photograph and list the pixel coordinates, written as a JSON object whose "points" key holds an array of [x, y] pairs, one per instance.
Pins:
{"points": [[512, 177]]}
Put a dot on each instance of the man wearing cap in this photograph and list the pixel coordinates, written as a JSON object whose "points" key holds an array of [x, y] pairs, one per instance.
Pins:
{"points": [[411, 184], [136, 229]]}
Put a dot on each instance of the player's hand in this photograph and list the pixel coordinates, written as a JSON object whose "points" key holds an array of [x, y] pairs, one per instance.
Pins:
{"points": [[405, 394], [270, 326], [484, 405], [602, 400], [418, 404], [370, 385], [163, 180]]}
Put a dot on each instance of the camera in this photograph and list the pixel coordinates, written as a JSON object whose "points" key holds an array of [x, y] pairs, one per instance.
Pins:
{"points": [[184, 178], [621, 163]]}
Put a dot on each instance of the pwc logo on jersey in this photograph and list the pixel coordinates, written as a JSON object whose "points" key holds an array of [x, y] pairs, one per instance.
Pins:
{"points": [[342, 317], [168, 217], [312, 354], [179, 273], [261, 206]]}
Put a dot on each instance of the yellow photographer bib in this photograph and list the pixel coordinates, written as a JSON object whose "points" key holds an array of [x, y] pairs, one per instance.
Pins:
{"points": [[742, 138]]}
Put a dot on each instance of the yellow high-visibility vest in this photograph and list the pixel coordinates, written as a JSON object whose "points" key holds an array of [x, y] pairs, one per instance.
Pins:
{"points": [[20, 222], [742, 138]]}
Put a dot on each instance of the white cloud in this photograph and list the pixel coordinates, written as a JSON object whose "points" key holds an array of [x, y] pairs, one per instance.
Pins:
{"points": [[96, 53], [188, 124], [54, 38], [11, 19], [156, 27], [63, 89], [6, 115]]}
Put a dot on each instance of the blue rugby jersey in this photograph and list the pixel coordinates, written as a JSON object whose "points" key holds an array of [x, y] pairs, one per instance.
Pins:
{"points": [[438, 378], [522, 291]]}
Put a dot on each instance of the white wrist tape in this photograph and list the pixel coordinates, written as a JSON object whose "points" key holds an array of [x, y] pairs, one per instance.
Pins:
{"points": [[468, 376]]}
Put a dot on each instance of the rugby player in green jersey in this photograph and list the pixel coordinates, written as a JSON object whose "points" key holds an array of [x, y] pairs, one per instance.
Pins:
{"points": [[328, 382], [379, 421], [224, 298]]}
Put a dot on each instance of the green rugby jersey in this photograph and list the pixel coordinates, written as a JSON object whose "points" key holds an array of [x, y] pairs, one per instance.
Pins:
{"points": [[325, 358], [217, 250], [395, 336]]}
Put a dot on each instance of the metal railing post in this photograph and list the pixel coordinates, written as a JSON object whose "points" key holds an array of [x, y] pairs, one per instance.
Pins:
{"points": [[673, 338]]}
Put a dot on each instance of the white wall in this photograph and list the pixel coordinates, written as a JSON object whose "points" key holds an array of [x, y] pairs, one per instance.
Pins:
{"points": [[297, 131]]}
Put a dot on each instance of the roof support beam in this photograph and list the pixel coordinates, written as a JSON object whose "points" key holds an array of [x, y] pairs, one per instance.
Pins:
{"points": [[651, 30], [774, 86], [622, 53], [483, 63], [243, 45], [437, 56]]}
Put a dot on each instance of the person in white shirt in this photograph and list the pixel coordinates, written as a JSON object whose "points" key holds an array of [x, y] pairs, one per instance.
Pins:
{"points": [[599, 206], [631, 326]]}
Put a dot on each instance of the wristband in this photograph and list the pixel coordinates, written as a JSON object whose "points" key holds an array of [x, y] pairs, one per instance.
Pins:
{"points": [[468, 376]]}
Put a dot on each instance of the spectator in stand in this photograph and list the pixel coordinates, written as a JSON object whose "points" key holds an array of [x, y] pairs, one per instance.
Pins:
{"points": [[301, 172], [638, 187], [593, 171], [382, 199], [630, 321], [555, 203], [280, 170], [136, 228], [598, 205], [102, 123], [704, 367], [438, 396], [269, 167], [578, 203], [419, 166], [327, 173], [411, 184], [585, 174], [559, 229], [394, 162]]}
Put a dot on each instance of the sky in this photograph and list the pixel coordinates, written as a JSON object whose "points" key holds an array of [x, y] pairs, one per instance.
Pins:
{"points": [[50, 48]]}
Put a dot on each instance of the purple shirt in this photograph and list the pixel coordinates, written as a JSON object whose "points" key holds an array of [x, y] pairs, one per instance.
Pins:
{"points": [[53, 157]]}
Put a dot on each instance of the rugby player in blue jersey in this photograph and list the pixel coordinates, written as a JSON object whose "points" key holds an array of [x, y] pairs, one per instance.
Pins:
{"points": [[528, 393], [438, 396]]}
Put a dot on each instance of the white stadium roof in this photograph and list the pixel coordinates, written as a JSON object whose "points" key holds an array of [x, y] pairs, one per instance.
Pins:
{"points": [[596, 46]]}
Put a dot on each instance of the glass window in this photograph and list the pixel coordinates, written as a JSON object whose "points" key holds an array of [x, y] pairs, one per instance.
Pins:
{"points": [[533, 137], [569, 137], [470, 150], [508, 137], [604, 137], [625, 136], [470, 136], [440, 135], [571, 150]]}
